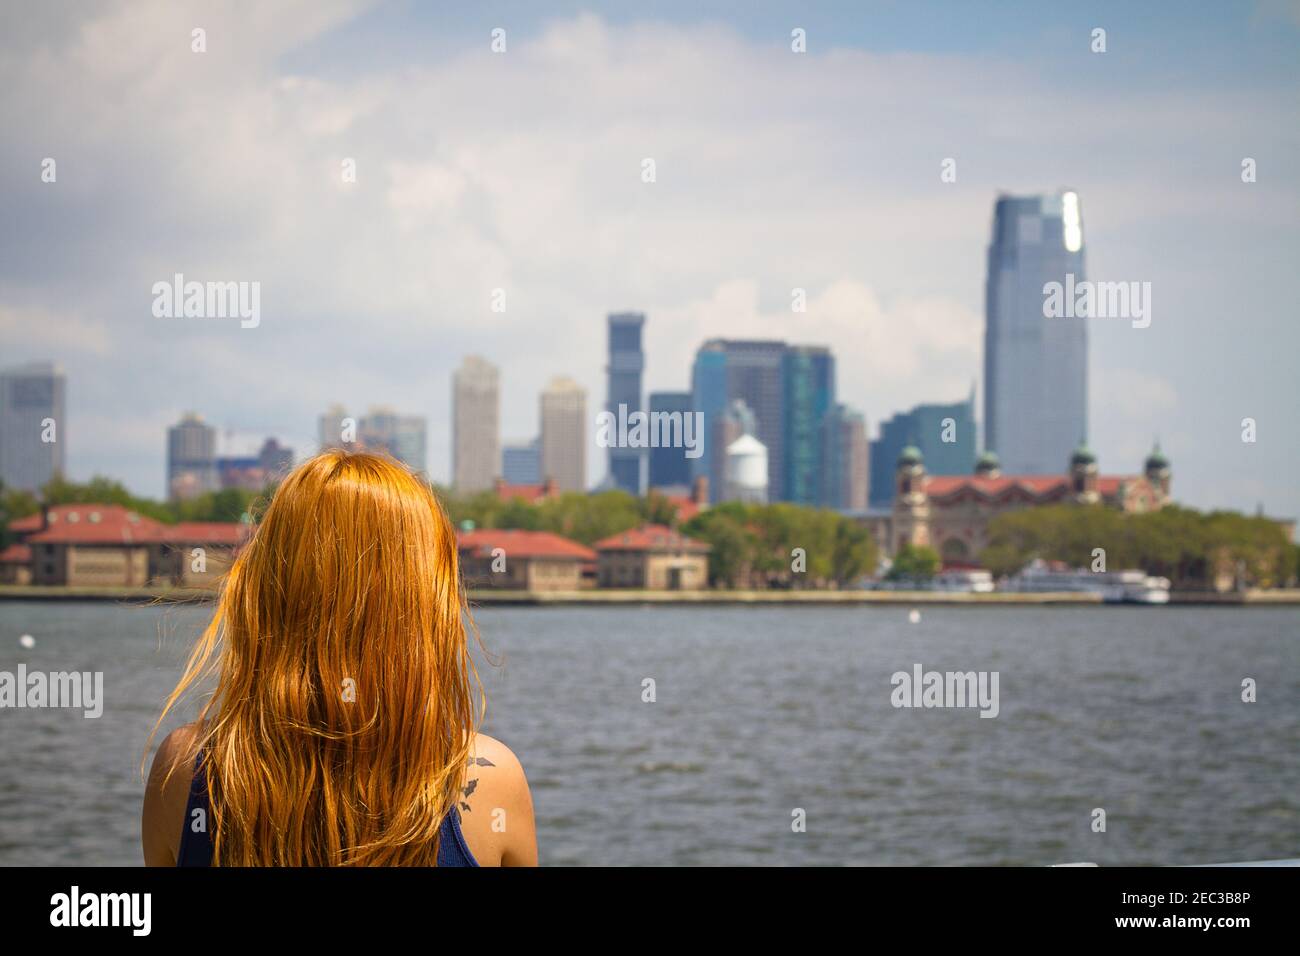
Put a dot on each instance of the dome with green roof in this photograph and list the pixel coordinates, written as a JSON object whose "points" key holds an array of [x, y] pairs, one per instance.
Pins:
{"points": [[1083, 455], [1156, 460], [911, 455], [988, 461]]}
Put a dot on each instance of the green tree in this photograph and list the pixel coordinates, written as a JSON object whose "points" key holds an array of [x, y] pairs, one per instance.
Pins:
{"points": [[914, 563]]}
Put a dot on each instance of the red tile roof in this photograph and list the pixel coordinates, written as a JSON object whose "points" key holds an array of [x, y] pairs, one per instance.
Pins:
{"points": [[115, 524], [529, 493], [98, 524], [26, 525], [16, 554], [651, 537], [518, 543], [1035, 486], [687, 507]]}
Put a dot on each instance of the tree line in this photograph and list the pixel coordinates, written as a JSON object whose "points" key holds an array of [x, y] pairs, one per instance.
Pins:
{"points": [[1191, 548]]}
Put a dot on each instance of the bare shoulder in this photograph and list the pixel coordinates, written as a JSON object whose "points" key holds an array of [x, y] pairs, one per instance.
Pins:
{"points": [[496, 806], [166, 793]]}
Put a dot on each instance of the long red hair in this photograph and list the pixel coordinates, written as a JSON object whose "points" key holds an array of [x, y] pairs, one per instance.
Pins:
{"points": [[346, 697]]}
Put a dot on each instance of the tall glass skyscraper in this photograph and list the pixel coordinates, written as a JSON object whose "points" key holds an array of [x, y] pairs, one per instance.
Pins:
{"points": [[626, 363], [1035, 368], [809, 374], [669, 467]]}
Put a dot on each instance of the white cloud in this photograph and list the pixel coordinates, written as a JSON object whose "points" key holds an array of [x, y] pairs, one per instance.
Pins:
{"points": [[522, 171]]}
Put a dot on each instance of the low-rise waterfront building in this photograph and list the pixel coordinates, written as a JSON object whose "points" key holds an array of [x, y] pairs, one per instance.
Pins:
{"points": [[97, 545], [951, 513], [522, 560], [653, 557]]}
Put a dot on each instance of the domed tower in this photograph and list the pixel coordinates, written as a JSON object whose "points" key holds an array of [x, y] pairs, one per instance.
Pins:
{"points": [[988, 466], [1083, 475], [1158, 474], [911, 502]]}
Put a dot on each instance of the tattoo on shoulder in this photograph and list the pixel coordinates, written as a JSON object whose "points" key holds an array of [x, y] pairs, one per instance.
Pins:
{"points": [[472, 785]]}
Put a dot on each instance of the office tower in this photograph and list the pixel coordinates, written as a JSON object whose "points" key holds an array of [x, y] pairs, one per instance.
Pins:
{"points": [[521, 463], [809, 376], [753, 371], [709, 396], [626, 363], [274, 459], [191, 458], [669, 467], [844, 469], [927, 427], [32, 425], [332, 427], [1035, 368], [475, 442], [564, 434], [401, 436]]}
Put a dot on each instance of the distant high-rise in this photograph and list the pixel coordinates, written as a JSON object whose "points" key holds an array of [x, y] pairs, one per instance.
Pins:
{"points": [[1035, 368], [336, 429], [626, 363], [928, 428], [564, 434], [809, 377], [274, 459], [32, 426], [521, 463], [754, 371], [669, 467], [844, 467], [191, 458], [401, 436], [382, 430], [254, 472], [476, 443]]}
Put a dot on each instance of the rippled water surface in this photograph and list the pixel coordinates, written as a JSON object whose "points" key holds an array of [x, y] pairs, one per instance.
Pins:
{"points": [[760, 711]]}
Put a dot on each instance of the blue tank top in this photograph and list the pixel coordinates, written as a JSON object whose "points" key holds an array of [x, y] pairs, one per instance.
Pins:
{"points": [[196, 848]]}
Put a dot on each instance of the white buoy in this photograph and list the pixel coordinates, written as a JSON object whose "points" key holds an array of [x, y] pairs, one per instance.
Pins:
{"points": [[914, 616], [27, 641]]}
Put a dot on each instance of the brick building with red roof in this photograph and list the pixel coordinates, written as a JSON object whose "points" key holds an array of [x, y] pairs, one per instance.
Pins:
{"points": [[951, 513], [95, 545], [529, 493], [653, 557], [522, 560]]}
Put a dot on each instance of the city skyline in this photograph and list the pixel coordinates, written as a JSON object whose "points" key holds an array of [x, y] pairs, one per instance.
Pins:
{"points": [[890, 258]]}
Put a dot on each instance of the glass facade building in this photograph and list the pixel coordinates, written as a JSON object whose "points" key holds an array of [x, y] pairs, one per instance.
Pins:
{"points": [[1035, 368], [626, 364], [669, 467], [809, 380]]}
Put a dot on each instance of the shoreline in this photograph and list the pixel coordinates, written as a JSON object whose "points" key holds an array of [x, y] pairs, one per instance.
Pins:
{"points": [[619, 597]]}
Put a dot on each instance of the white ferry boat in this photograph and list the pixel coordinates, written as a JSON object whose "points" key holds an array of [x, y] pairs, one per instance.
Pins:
{"points": [[967, 580], [1115, 587]]}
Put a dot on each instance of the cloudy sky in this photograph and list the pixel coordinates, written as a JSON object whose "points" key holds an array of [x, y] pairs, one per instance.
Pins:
{"points": [[521, 171]]}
